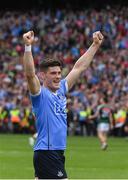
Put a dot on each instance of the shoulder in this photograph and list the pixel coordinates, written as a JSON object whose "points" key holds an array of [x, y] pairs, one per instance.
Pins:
{"points": [[64, 85]]}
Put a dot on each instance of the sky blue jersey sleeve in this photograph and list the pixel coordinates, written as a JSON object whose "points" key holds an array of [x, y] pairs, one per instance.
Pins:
{"points": [[36, 99], [64, 86]]}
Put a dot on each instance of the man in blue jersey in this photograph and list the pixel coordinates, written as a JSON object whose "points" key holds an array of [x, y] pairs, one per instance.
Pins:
{"points": [[49, 106]]}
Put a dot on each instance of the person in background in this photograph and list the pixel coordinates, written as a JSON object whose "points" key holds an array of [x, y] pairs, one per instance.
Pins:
{"points": [[104, 118], [32, 139]]}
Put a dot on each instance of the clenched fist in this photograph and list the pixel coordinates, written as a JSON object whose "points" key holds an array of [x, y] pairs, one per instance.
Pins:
{"points": [[97, 38], [28, 38]]}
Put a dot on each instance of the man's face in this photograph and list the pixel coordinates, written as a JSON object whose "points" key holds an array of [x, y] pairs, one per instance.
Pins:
{"points": [[52, 77]]}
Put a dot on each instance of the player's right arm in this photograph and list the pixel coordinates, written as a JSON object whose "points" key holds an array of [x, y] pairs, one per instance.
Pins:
{"points": [[28, 64]]}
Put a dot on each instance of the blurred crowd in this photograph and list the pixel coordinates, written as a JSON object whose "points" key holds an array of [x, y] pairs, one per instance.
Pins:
{"points": [[66, 34]]}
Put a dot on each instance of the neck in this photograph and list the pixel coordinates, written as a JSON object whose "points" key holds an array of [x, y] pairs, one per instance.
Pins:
{"points": [[52, 90]]}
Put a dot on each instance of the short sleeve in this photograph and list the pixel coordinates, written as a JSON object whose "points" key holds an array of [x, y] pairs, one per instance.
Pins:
{"points": [[36, 99], [64, 86]]}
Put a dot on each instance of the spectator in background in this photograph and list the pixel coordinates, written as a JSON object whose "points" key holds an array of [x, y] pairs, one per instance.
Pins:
{"points": [[126, 126], [84, 124], [59, 33], [70, 118], [120, 119]]}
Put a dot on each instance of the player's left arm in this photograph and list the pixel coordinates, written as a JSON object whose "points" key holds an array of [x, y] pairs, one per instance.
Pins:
{"points": [[84, 61], [111, 120]]}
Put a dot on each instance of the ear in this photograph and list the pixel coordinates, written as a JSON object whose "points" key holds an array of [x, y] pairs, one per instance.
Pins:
{"points": [[42, 75]]}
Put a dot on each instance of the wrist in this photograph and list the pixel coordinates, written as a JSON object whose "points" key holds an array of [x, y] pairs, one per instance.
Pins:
{"points": [[96, 45], [28, 48]]}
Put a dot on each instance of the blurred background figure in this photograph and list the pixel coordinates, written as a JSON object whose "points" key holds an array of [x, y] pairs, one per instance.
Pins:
{"points": [[104, 119], [32, 139]]}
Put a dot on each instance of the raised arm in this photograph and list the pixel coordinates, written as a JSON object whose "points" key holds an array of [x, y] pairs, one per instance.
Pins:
{"points": [[28, 64], [84, 61]]}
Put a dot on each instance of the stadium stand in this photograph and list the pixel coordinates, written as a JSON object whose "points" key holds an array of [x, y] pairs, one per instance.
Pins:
{"points": [[63, 30]]}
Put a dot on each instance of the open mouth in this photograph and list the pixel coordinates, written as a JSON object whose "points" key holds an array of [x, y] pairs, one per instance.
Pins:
{"points": [[56, 83]]}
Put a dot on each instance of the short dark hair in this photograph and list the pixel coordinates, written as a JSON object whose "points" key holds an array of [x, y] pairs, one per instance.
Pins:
{"points": [[49, 62]]}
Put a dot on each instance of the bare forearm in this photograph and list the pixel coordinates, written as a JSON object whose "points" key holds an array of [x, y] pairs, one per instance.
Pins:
{"points": [[28, 64], [85, 60]]}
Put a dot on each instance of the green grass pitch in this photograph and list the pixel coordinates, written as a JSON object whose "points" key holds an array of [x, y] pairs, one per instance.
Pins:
{"points": [[84, 158]]}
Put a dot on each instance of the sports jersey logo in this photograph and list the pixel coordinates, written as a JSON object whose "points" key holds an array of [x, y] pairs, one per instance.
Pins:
{"points": [[60, 174], [58, 109], [60, 96]]}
